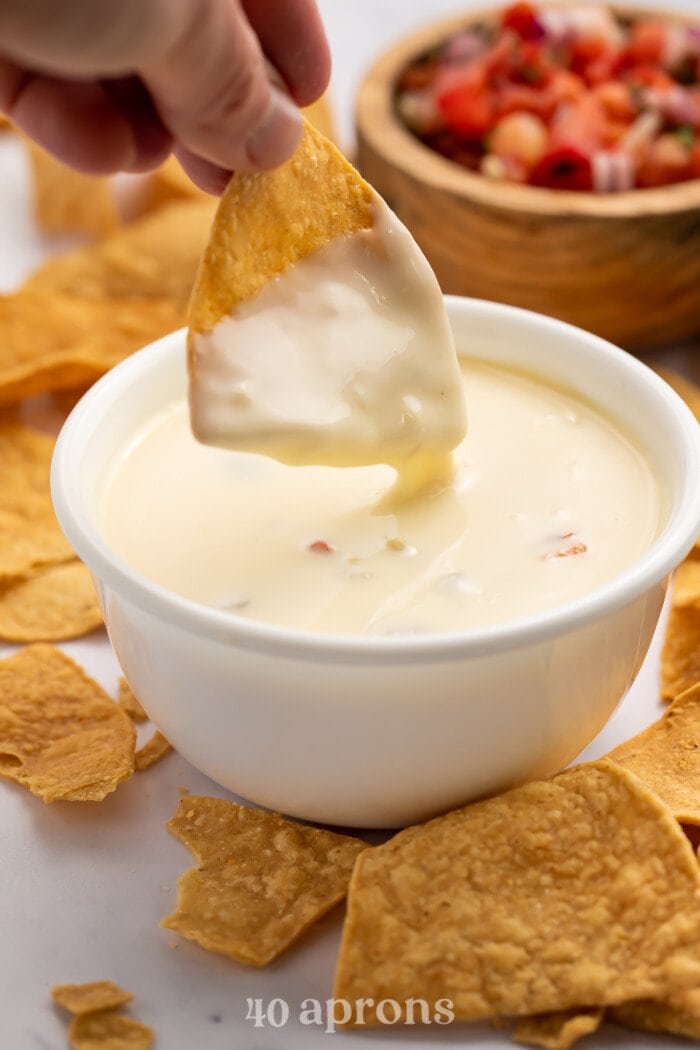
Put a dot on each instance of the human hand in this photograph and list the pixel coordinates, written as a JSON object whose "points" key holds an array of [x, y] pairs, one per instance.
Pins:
{"points": [[115, 85]]}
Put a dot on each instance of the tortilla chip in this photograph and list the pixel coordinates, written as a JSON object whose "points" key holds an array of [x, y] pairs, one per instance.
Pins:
{"points": [[686, 584], [170, 183], [680, 1016], [666, 756], [60, 734], [129, 702], [51, 605], [261, 881], [155, 258], [579, 891], [320, 115], [109, 1031], [152, 751], [90, 998], [270, 220], [557, 1031], [684, 387], [66, 201], [55, 341], [680, 656]]}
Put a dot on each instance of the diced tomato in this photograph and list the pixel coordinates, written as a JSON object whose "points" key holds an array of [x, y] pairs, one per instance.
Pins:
{"points": [[616, 99], [647, 43], [648, 76], [579, 124], [564, 168], [533, 63], [518, 98], [667, 161], [522, 19], [467, 109]]}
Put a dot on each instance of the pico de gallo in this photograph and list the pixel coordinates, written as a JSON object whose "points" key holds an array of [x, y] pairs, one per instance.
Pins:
{"points": [[569, 98]]}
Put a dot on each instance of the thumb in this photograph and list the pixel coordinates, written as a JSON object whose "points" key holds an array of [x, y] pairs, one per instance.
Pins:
{"points": [[213, 92]]}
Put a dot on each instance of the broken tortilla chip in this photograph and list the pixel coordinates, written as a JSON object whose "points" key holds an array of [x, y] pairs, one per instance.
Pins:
{"points": [[60, 734], [152, 751], [109, 1031], [680, 656], [261, 881], [67, 201], [30, 536], [270, 220], [169, 183], [155, 257], [91, 997], [685, 588], [55, 341], [130, 703], [51, 605], [680, 1016], [557, 1031], [578, 891], [666, 756]]}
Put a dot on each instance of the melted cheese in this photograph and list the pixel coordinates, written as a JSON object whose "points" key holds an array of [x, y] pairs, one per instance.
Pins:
{"points": [[548, 500], [346, 359]]}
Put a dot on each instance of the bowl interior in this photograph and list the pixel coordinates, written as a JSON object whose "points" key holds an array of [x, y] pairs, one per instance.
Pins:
{"points": [[112, 413]]}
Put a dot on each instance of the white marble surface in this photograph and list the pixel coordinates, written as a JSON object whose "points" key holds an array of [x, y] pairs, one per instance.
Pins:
{"points": [[82, 887]]}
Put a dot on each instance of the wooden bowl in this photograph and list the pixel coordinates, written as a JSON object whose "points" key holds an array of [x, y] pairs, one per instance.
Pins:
{"points": [[625, 266]]}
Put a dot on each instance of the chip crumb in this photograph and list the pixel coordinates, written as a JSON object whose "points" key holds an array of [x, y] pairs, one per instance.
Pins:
{"points": [[557, 1031], [130, 702], [60, 733], [90, 998], [575, 892], [666, 756], [109, 1031], [153, 750], [261, 881], [50, 605]]}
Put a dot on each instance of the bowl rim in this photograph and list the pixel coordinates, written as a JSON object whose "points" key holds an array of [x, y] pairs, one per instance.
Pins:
{"points": [[378, 124], [665, 553]]}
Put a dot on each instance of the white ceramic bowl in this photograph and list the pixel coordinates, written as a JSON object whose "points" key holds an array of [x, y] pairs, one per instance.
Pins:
{"points": [[384, 731]]}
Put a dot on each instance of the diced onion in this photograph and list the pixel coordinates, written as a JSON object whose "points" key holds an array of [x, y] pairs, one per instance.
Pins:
{"points": [[613, 172]]}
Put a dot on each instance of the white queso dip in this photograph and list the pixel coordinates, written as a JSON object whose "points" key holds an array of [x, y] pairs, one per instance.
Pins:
{"points": [[549, 499]]}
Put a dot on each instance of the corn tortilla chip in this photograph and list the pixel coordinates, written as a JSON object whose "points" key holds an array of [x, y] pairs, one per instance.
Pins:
{"points": [[557, 1031], [579, 891], [261, 881], [91, 997], [66, 201], [270, 220], [319, 114], [680, 656], [686, 584], [30, 536], [109, 1031], [152, 751], [170, 183], [55, 341], [666, 756], [60, 734], [130, 703], [155, 257], [680, 1016], [51, 605]]}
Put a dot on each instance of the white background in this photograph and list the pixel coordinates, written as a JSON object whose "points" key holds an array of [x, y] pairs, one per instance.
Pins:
{"points": [[83, 887]]}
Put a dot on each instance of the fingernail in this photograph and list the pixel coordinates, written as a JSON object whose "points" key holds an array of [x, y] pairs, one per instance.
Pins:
{"points": [[278, 136]]}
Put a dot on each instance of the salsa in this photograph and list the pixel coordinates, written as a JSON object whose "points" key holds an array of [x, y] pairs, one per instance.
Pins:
{"points": [[571, 98]]}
